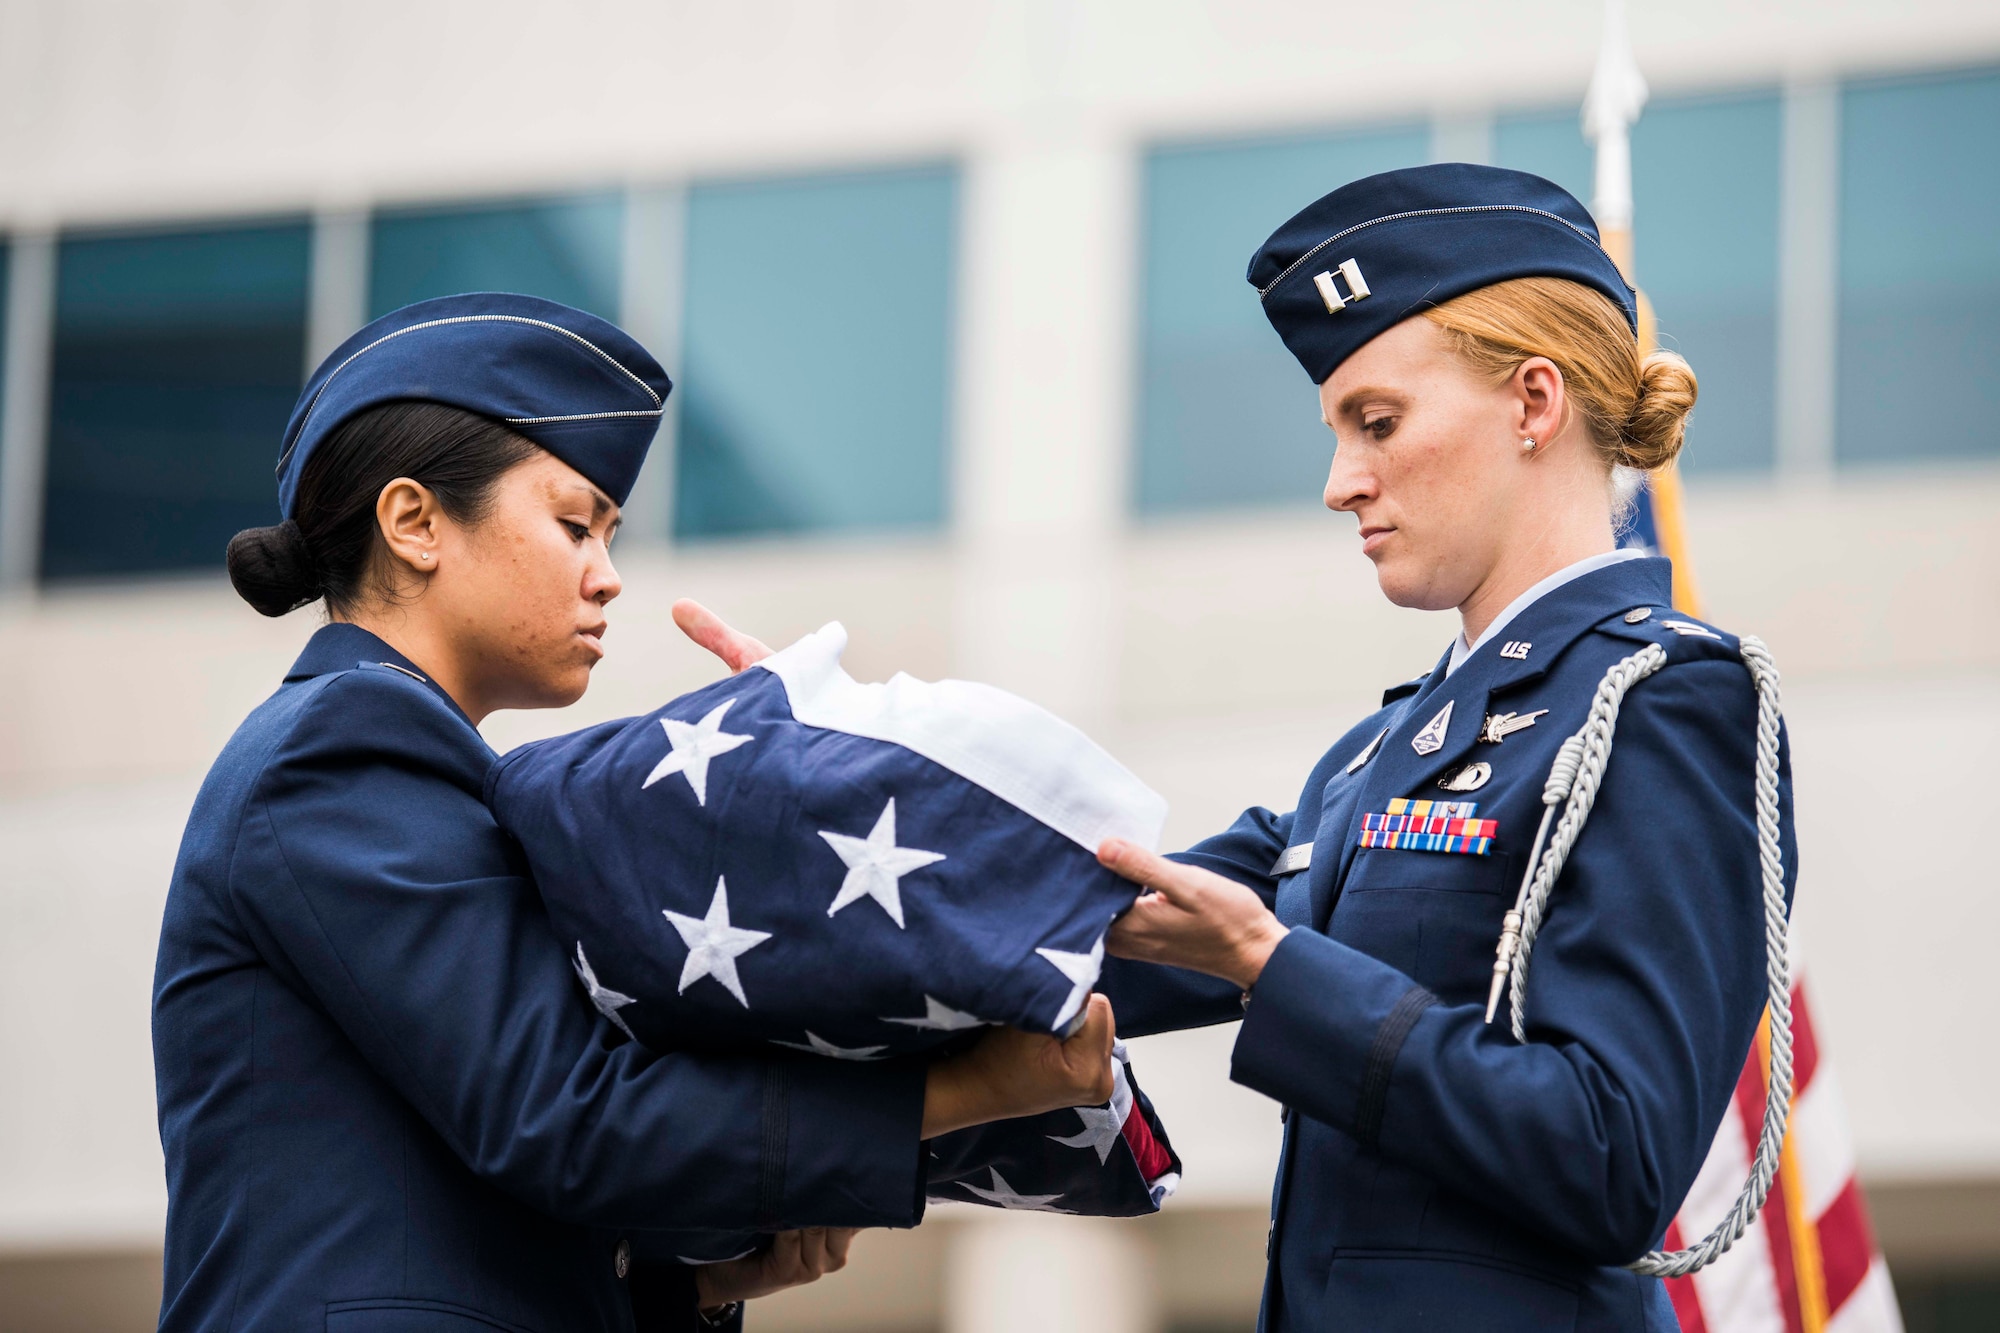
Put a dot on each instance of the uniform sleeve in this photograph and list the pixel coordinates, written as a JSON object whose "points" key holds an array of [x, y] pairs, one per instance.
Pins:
{"points": [[1644, 993], [1151, 997], [376, 882]]}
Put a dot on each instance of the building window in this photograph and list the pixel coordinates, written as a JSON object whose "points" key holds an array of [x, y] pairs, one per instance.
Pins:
{"points": [[1226, 417], [1548, 142], [177, 357], [563, 249], [1919, 269], [817, 341], [1705, 181]]}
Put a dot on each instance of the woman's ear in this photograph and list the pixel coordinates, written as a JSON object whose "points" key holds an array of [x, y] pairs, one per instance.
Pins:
{"points": [[410, 519], [1537, 385]]}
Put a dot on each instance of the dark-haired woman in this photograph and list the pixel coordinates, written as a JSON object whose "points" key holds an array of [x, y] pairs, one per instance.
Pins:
{"points": [[385, 1102]]}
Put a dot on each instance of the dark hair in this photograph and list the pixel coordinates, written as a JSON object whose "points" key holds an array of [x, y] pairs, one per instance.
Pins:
{"points": [[329, 549]]}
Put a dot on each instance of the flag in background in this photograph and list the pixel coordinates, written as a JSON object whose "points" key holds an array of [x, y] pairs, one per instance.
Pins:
{"points": [[1809, 1263]]}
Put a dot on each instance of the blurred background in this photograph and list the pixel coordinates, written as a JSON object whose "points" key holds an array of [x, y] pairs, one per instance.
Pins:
{"points": [[954, 295]]}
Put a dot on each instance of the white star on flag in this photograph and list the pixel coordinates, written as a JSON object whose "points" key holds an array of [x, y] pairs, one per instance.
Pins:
{"points": [[1082, 970], [940, 1018], [819, 1046], [714, 945], [608, 1001], [1104, 1125], [875, 864], [1003, 1194], [694, 744], [1101, 1128]]}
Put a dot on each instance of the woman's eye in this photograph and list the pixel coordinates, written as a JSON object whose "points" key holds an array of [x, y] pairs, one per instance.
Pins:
{"points": [[577, 531]]}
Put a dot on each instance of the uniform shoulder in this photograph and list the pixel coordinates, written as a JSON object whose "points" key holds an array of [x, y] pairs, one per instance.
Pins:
{"points": [[1686, 638], [381, 712]]}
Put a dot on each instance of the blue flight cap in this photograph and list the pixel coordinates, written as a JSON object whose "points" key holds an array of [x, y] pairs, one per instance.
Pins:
{"points": [[575, 384], [1371, 254]]}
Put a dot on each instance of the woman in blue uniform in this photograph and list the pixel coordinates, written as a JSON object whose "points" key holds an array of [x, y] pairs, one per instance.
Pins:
{"points": [[1477, 360], [385, 1102]]}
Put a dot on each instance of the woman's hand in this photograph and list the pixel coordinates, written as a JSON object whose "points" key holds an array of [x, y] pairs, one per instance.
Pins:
{"points": [[706, 628], [1012, 1073], [794, 1259], [1193, 918]]}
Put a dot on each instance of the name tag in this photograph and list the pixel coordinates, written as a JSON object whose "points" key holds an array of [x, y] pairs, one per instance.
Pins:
{"points": [[1293, 859]]}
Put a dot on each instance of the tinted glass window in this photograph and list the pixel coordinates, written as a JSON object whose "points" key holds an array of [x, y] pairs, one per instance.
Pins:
{"points": [[1919, 269], [1705, 182], [818, 347], [1548, 142], [563, 249], [177, 357], [1225, 415]]}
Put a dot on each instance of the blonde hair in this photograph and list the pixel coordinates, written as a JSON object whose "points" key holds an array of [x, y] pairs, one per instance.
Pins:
{"points": [[1635, 410]]}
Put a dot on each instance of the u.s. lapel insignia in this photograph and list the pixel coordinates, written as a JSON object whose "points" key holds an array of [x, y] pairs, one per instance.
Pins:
{"points": [[1367, 752], [1515, 649], [1499, 726], [1431, 739], [1470, 778], [1684, 627]]}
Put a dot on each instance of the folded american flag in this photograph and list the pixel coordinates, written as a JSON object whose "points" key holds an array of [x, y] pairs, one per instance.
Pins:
{"points": [[858, 872]]}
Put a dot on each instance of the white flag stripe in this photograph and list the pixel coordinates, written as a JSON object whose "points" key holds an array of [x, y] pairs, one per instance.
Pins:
{"points": [[1820, 1142], [1872, 1307], [1739, 1292], [1716, 1184], [1024, 754]]}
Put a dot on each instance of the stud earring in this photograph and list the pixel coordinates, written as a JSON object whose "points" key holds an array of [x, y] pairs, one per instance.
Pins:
{"points": [[426, 555], [1528, 445]]}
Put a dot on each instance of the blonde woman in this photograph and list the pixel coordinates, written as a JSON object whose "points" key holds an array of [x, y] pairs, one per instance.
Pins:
{"points": [[1477, 362]]}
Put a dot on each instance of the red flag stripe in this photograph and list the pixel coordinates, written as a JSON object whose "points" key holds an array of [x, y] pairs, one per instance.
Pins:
{"points": [[1750, 1113], [1681, 1290], [1846, 1245], [1146, 1150], [1805, 1045]]}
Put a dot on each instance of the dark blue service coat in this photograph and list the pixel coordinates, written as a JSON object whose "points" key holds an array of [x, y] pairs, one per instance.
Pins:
{"points": [[386, 1105], [1437, 1174]]}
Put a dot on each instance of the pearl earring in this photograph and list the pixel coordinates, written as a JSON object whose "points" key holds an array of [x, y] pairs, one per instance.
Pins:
{"points": [[1528, 445]]}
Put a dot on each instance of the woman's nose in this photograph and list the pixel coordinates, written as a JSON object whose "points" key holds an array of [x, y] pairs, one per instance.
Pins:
{"points": [[602, 583], [1345, 483]]}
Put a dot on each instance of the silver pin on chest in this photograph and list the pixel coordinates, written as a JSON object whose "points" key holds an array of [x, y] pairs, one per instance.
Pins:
{"points": [[1367, 752], [1499, 726], [1470, 778], [1431, 739], [1517, 649]]}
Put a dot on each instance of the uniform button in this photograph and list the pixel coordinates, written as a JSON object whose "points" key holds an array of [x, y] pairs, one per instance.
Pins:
{"points": [[1637, 614], [621, 1258]]}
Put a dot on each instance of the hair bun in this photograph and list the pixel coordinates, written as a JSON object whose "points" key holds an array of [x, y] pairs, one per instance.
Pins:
{"points": [[273, 569], [1658, 422]]}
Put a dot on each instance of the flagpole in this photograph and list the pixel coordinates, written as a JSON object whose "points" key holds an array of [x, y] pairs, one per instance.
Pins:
{"points": [[1611, 106]]}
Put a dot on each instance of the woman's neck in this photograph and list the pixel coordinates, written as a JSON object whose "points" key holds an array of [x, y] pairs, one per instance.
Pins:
{"points": [[1523, 566]]}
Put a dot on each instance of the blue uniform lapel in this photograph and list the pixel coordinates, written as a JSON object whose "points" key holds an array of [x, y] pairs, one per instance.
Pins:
{"points": [[1548, 626]]}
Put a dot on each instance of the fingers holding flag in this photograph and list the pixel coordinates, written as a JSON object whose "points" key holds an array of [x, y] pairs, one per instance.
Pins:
{"points": [[1192, 918], [736, 649]]}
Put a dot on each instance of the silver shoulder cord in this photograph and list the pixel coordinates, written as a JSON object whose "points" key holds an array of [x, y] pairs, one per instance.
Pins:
{"points": [[1572, 785]]}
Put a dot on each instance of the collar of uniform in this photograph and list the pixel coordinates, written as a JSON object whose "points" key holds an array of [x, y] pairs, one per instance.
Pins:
{"points": [[1548, 627], [342, 647], [1461, 651]]}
